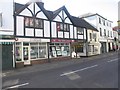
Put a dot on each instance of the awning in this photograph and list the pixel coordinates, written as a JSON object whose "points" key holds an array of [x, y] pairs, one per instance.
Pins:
{"points": [[6, 43]]}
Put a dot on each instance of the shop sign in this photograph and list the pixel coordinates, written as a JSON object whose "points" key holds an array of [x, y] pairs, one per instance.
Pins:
{"points": [[63, 41]]}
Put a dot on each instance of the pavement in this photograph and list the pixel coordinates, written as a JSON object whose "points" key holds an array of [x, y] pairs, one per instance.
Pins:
{"points": [[54, 64]]}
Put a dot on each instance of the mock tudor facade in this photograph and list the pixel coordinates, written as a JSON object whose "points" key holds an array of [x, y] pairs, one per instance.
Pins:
{"points": [[40, 35]]}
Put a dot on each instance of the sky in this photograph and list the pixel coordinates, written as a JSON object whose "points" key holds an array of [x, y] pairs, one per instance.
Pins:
{"points": [[106, 8]]}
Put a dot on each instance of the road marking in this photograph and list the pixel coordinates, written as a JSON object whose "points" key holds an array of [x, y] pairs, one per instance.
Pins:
{"points": [[112, 60], [73, 76], [78, 70], [16, 86]]}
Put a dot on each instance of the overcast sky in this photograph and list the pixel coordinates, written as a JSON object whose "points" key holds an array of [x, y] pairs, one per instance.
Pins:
{"points": [[106, 8]]}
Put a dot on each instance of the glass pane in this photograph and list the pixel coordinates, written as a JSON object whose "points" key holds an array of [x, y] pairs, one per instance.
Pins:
{"points": [[42, 52], [31, 22], [26, 44], [34, 52], [18, 54], [25, 53], [27, 22]]}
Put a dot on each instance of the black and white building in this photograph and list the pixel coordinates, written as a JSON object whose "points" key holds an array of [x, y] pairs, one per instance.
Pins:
{"points": [[41, 35]]}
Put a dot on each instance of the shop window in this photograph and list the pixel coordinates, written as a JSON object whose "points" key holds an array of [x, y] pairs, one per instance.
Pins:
{"points": [[80, 31], [42, 52], [79, 48], [59, 49], [90, 48], [18, 54], [34, 52]]}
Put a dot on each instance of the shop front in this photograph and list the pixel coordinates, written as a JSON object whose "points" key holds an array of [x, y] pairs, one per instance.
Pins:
{"points": [[29, 51], [60, 49]]}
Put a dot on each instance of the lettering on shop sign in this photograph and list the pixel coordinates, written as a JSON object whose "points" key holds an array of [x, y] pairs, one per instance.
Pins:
{"points": [[59, 40]]}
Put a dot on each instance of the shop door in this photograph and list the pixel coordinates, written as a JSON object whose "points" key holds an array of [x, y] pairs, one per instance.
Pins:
{"points": [[26, 55], [7, 57]]}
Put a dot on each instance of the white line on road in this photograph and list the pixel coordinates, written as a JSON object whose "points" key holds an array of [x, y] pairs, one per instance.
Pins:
{"points": [[112, 60], [78, 70], [16, 86]]}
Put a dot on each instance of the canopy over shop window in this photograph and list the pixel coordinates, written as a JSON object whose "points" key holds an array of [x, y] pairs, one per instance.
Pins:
{"points": [[6, 43]]}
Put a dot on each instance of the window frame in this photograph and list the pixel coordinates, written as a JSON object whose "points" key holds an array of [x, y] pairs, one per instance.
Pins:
{"points": [[80, 31], [62, 27], [31, 23]]}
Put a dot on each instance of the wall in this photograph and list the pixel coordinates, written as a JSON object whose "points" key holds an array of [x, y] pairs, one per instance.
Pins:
{"points": [[6, 8]]}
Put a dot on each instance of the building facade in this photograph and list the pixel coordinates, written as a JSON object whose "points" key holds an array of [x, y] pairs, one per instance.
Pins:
{"points": [[38, 35], [105, 30], [116, 38]]}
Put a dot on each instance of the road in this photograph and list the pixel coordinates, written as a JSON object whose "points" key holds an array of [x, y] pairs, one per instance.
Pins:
{"points": [[99, 72]]}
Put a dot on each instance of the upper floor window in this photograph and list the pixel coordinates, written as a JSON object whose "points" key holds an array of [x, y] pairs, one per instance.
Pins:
{"points": [[100, 31], [80, 31], [90, 36], [100, 20], [104, 22], [110, 24], [104, 32], [107, 23], [63, 27], [111, 34], [0, 19], [95, 37], [33, 23], [108, 33]]}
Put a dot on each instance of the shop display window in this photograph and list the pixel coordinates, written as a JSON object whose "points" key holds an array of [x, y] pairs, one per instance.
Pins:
{"points": [[18, 54], [59, 49], [42, 52], [34, 52]]}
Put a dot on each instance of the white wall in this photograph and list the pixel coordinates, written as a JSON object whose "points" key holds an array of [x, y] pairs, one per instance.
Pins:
{"points": [[54, 31], [119, 10], [71, 31], [75, 32], [46, 28], [39, 32], [20, 26], [6, 8]]}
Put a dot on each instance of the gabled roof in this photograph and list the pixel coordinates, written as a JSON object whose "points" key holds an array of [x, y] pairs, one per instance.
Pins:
{"points": [[79, 22], [56, 12], [89, 15], [20, 7], [40, 5]]}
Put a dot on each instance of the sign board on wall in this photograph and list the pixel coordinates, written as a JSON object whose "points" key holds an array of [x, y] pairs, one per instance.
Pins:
{"points": [[63, 41]]}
